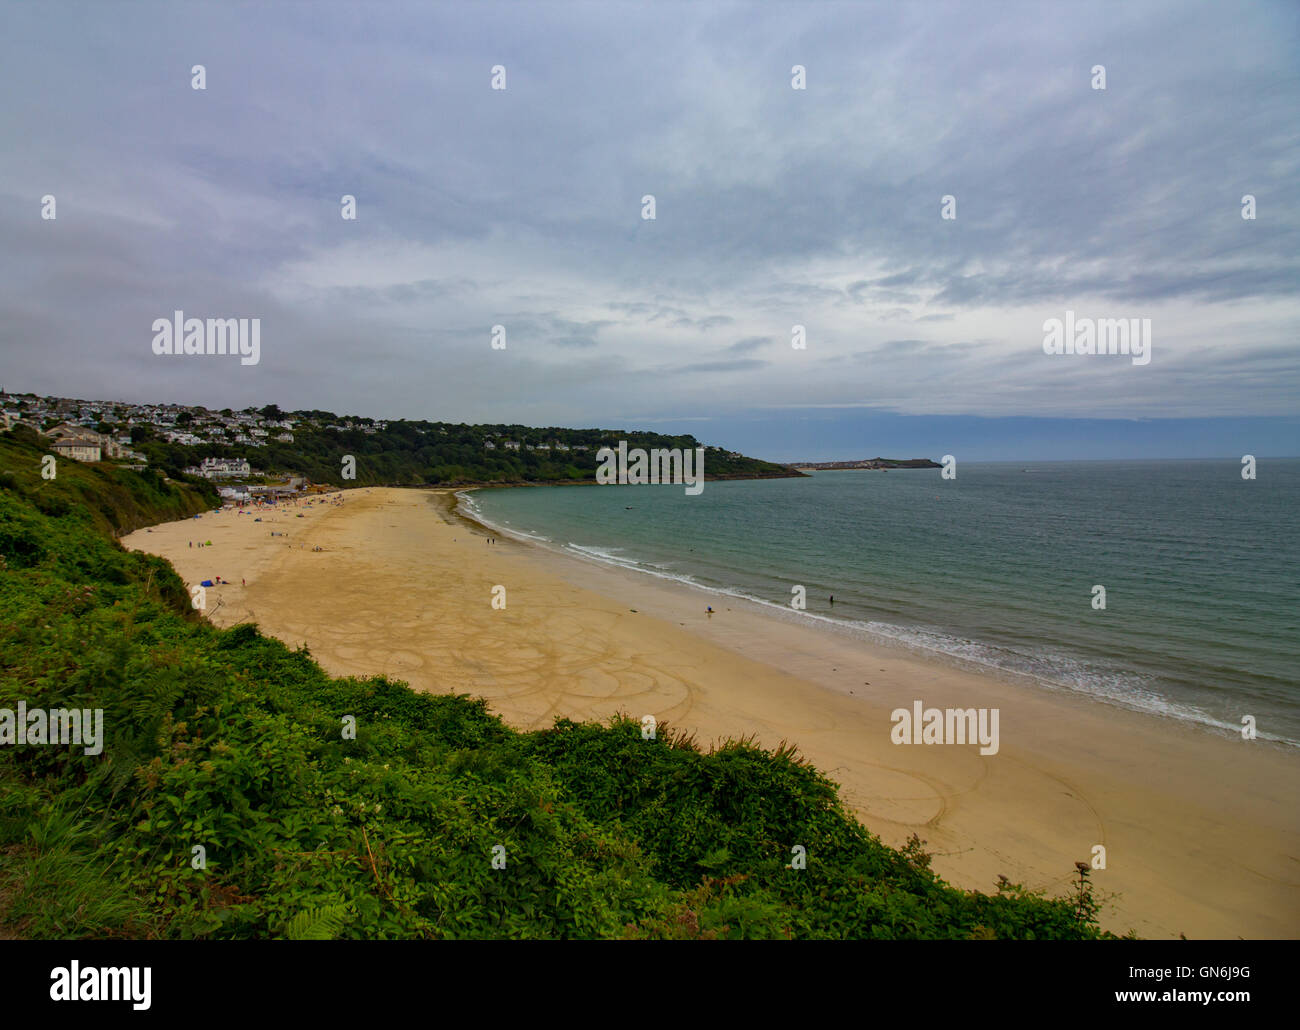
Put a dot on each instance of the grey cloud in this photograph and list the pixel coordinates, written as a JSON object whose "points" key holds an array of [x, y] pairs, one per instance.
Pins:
{"points": [[775, 206], [750, 343], [739, 365]]}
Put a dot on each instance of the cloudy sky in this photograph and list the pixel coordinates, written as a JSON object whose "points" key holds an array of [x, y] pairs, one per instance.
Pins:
{"points": [[774, 207]]}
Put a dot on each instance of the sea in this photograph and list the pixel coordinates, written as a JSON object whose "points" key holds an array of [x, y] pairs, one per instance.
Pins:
{"points": [[998, 567]]}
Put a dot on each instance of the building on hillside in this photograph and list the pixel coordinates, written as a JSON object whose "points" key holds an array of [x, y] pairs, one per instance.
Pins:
{"points": [[76, 442], [222, 468], [71, 431], [77, 450]]}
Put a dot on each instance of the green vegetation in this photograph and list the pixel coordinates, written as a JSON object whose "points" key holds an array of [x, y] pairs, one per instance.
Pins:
{"points": [[116, 499], [433, 453], [230, 742]]}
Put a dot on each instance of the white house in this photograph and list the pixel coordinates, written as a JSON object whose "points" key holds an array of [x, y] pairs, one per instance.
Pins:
{"points": [[77, 450], [76, 442], [220, 468]]}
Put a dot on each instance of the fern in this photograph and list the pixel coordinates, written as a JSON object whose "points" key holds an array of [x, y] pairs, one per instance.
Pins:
{"points": [[317, 924]]}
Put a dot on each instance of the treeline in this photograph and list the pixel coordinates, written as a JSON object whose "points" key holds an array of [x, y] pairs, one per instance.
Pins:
{"points": [[228, 803], [439, 453]]}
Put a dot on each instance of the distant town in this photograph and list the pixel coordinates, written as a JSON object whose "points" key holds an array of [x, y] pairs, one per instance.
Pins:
{"points": [[98, 431], [189, 425]]}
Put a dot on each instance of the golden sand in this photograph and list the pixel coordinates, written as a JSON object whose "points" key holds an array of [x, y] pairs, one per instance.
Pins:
{"points": [[1201, 832]]}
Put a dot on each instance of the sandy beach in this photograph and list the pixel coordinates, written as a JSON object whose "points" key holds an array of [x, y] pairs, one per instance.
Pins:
{"points": [[1201, 832]]}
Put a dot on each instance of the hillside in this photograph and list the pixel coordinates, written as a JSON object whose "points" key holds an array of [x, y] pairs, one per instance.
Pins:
{"points": [[315, 443], [438, 454], [116, 499], [227, 747]]}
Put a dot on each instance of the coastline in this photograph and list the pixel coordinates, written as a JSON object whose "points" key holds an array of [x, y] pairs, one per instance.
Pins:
{"points": [[461, 506], [1199, 830]]}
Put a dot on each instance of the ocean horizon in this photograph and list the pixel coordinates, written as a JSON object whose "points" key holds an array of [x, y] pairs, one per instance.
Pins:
{"points": [[996, 568]]}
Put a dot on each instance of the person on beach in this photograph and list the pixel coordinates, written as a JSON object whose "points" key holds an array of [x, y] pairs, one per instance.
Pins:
{"points": [[832, 598], [709, 610]]}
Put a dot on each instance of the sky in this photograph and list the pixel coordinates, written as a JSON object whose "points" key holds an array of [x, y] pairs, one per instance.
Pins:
{"points": [[775, 207]]}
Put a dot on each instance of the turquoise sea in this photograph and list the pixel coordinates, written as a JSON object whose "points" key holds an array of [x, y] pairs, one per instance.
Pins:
{"points": [[996, 567]]}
